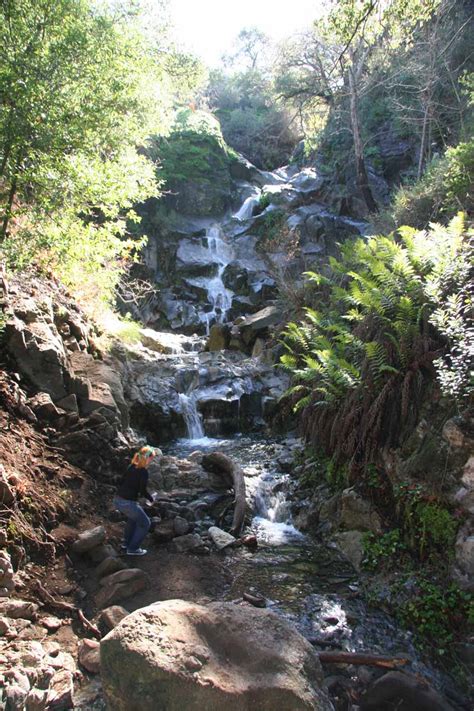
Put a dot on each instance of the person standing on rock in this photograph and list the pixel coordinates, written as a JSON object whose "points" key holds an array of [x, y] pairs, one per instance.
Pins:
{"points": [[133, 487]]}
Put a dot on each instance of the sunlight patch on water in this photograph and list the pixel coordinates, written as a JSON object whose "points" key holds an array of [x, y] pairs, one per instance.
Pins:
{"points": [[275, 533]]}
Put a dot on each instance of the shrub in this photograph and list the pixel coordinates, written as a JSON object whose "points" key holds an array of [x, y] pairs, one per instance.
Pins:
{"points": [[436, 613], [361, 363], [445, 189]]}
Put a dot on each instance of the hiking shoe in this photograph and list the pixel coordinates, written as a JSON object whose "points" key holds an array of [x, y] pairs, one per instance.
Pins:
{"points": [[123, 547], [139, 551]]}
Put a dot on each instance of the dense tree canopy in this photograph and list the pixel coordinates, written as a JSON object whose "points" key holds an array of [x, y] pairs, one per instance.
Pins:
{"points": [[80, 90]]}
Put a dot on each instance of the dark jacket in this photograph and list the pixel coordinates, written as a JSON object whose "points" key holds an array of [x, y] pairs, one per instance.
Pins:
{"points": [[134, 484]]}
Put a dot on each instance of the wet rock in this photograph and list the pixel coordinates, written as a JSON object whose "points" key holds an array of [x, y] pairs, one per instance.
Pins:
{"points": [[89, 655], [89, 540], [357, 513], [155, 341], [220, 538], [241, 658], [109, 565], [190, 542], [269, 316], [350, 543], [218, 337], [402, 691], [18, 608], [113, 615], [250, 541], [258, 348]]}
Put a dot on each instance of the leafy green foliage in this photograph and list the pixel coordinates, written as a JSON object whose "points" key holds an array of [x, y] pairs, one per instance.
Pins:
{"points": [[184, 155], [436, 612], [78, 87], [445, 188], [361, 363], [428, 528], [380, 551]]}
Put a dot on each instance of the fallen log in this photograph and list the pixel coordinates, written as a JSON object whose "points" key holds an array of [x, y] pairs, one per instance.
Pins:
{"points": [[221, 464], [255, 600], [371, 660]]}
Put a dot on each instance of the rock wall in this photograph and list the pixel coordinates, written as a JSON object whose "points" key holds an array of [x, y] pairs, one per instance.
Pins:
{"points": [[75, 391]]}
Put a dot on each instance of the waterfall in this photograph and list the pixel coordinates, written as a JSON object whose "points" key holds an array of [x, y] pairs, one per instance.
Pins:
{"points": [[191, 416], [219, 297], [247, 208], [272, 510]]}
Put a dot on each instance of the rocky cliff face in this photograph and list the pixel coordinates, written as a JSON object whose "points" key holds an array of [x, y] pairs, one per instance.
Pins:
{"points": [[215, 268]]}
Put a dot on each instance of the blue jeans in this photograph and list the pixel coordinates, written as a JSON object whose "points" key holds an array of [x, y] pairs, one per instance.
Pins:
{"points": [[138, 523]]}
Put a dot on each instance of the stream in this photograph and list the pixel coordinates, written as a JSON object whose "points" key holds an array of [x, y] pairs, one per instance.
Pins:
{"points": [[303, 579]]}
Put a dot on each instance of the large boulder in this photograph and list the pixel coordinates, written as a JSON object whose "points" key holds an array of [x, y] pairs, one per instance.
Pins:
{"points": [[176, 655], [39, 354], [358, 514]]}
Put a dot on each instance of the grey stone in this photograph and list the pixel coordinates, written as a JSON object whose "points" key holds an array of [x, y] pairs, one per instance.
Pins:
{"points": [[61, 691], [99, 553], [218, 337], [109, 565], [191, 541], [113, 615], [220, 656], [89, 540], [180, 526], [89, 655], [269, 316], [18, 609], [405, 692], [69, 403], [357, 514], [350, 543], [220, 538]]}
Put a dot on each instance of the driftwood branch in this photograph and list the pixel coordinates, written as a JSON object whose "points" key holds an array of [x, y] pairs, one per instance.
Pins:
{"points": [[232, 473], [372, 660], [67, 607]]}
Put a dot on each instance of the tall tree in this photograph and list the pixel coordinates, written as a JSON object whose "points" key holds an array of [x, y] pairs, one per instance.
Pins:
{"points": [[354, 37]]}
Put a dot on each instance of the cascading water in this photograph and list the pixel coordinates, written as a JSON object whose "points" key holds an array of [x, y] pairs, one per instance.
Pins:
{"points": [[191, 416], [272, 519], [219, 297], [246, 210]]}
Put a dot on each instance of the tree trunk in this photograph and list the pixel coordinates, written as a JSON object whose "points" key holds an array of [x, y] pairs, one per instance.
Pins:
{"points": [[221, 464], [361, 172], [8, 209], [424, 138]]}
